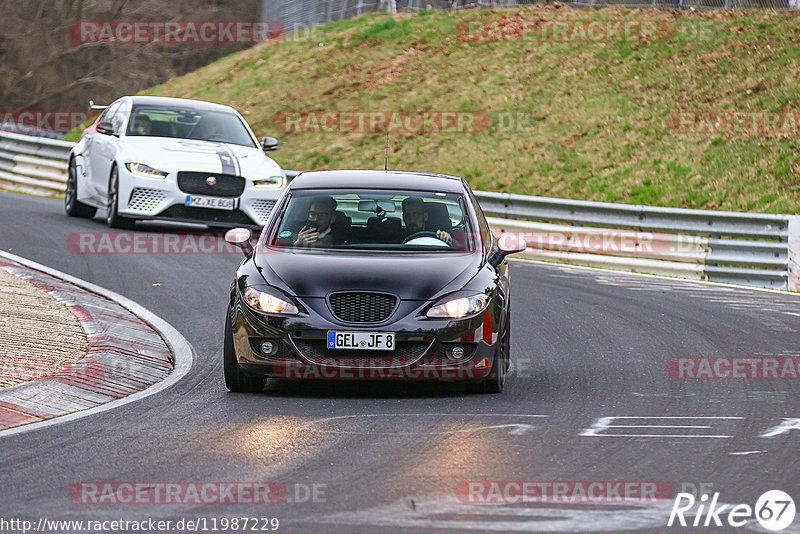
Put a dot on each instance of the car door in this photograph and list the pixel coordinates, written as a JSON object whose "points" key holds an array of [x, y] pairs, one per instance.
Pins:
{"points": [[89, 139], [105, 148], [489, 245]]}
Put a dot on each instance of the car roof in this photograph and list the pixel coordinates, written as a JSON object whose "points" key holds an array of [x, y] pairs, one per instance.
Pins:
{"points": [[378, 179], [186, 102]]}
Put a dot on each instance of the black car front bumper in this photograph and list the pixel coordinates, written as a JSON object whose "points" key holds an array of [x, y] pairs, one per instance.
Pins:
{"points": [[423, 347]]}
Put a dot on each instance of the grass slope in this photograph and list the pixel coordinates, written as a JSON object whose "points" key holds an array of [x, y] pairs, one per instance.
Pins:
{"points": [[598, 112]]}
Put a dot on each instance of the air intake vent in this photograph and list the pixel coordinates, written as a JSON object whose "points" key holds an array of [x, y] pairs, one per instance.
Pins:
{"points": [[262, 208], [405, 353], [147, 200], [362, 307]]}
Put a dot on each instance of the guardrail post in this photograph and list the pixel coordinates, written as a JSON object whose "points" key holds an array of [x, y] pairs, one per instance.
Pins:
{"points": [[794, 253]]}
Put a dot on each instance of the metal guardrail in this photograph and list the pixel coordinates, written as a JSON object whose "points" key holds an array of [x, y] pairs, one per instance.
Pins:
{"points": [[754, 249], [751, 249], [34, 165]]}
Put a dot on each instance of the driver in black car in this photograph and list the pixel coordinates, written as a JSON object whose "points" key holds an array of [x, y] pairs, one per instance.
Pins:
{"points": [[414, 217]]}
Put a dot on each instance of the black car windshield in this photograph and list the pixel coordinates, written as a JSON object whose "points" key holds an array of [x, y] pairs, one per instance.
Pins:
{"points": [[188, 123], [374, 220]]}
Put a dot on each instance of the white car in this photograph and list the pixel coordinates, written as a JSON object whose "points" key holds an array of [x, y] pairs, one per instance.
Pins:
{"points": [[173, 159]]}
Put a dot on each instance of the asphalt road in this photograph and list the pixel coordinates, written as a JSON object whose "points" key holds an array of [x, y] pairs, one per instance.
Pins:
{"points": [[389, 457]]}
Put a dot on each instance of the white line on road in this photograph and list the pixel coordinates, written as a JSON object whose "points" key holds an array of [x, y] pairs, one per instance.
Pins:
{"points": [[518, 428]]}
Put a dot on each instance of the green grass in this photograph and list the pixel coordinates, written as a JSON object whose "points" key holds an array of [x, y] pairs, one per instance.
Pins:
{"points": [[593, 116]]}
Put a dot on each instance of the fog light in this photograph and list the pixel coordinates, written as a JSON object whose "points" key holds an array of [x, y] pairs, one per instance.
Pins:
{"points": [[457, 353], [268, 347]]}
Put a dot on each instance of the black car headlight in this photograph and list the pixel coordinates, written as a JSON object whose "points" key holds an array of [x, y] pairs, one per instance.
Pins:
{"points": [[269, 302], [453, 307]]}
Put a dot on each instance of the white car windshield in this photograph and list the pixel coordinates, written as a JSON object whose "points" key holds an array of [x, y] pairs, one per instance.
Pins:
{"points": [[188, 123]]}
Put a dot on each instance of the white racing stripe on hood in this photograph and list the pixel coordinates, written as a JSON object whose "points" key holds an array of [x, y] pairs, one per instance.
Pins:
{"points": [[230, 164], [227, 157]]}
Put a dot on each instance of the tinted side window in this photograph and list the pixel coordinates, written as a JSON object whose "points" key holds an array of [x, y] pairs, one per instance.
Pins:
{"points": [[483, 226], [108, 114], [119, 118]]}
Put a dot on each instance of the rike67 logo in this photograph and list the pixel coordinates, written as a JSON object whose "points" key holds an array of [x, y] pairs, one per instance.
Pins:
{"points": [[774, 510]]}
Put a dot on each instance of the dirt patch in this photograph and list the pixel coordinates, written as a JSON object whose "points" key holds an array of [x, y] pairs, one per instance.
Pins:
{"points": [[38, 335]]}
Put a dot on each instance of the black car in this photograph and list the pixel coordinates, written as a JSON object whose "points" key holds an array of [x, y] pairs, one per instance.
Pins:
{"points": [[371, 275]]}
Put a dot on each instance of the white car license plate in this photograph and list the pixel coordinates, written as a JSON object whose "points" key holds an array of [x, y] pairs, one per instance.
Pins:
{"points": [[361, 340], [217, 203]]}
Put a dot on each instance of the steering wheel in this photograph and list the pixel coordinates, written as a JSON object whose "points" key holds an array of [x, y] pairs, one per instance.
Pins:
{"points": [[423, 233], [217, 137]]}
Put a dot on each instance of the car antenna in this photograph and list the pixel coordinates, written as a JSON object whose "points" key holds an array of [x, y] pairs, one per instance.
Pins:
{"points": [[386, 159]]}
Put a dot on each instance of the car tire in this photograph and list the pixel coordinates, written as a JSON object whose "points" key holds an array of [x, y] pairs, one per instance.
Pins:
{"points": [[113, 218], [236, 378], [497, 376], [72, 205]]}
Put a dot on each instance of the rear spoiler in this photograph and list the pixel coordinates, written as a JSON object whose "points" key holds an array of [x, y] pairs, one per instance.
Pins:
{"points": [[96, 107]]}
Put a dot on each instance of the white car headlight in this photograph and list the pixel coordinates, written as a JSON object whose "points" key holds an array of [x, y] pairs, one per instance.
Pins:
{"points": [[455, 308], [272, 182], [267, 302], [146, 171]]}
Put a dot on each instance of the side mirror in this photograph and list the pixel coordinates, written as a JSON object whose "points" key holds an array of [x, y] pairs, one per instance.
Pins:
{"points": [[507, 243], [106, 128], [268, 144], [240, 237]]}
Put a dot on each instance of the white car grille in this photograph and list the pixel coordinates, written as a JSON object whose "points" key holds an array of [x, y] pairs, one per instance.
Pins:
{"points": [[146, 200], [261, 209]]}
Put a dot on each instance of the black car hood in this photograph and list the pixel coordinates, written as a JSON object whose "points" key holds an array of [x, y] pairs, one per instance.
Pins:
{"points": [[415, 276]]}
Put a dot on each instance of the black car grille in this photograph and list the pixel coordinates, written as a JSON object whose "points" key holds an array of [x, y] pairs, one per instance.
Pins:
{"points": [[209, 215], [227, 185], [362, 307], [405, 353]]}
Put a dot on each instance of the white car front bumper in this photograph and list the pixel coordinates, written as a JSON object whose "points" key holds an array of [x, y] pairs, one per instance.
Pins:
{"points": [[145, 198]]}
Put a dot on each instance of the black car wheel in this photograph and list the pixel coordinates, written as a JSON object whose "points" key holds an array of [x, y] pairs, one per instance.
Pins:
{"points": [[72, 206], [497, 377], [113, 218], [237, 379]]}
